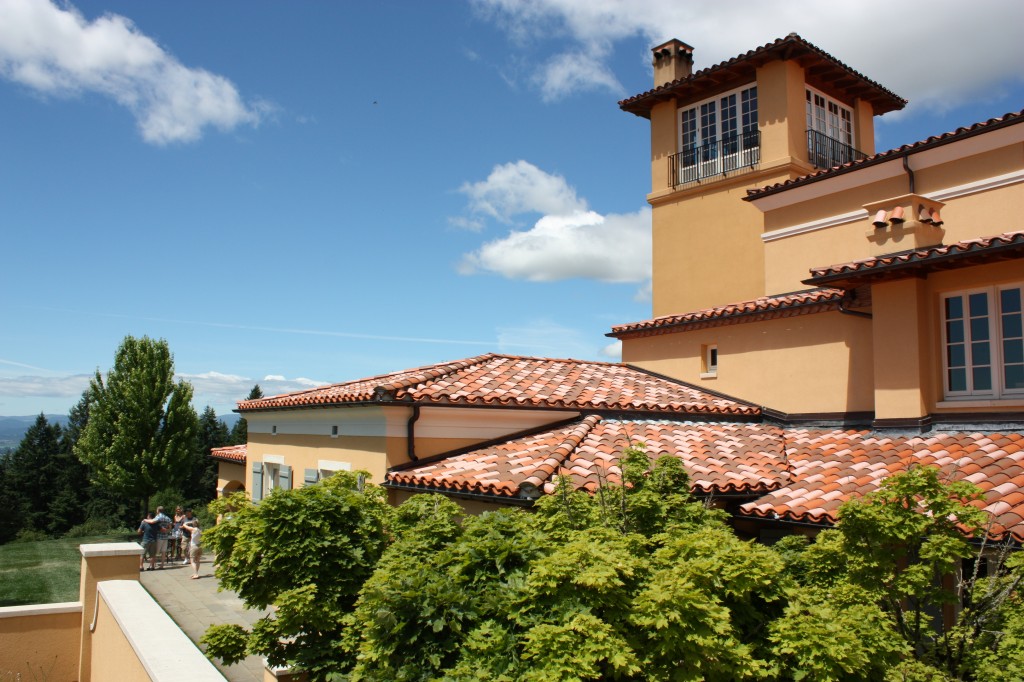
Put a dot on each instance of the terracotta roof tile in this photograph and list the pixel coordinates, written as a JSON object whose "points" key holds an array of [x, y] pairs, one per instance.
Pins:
{"points": [[514, 381], [801, 475], [230, 453], [720, 457], [819, 459], [912, 263], [790, 47], [766, 307], [1008, 119]]}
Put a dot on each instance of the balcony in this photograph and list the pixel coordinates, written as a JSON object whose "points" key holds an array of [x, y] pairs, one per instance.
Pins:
{"points": [[716, 159], [826, 152]]}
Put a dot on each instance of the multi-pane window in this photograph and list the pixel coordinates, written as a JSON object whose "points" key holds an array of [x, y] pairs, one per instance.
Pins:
{"points": [[828, 117], [984, 342], [718, 135]]}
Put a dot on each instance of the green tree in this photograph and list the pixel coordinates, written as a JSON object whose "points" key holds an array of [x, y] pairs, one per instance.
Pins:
{"points": [[28, 475], [240, 431], [141, 430], [305, 551], [895, 558], [200, 482]]}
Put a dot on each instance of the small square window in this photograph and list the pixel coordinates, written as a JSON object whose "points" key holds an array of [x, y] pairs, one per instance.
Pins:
{"points": [[273, 430], [334, 432], [709, 361]]}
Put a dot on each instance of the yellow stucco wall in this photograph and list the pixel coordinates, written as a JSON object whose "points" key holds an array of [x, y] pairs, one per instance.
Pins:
{"points": [[982, 213], [229, 474], [113, 657], [122, 563], [40, 646], [812, 363], [903, 360], [694, 234]]}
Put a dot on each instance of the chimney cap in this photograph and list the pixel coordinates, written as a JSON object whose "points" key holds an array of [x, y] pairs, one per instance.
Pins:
{"points": [[673, 46]]}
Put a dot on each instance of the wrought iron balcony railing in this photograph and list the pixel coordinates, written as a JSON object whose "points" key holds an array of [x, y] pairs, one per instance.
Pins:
{"points": [[826, 152], [729, 155]]}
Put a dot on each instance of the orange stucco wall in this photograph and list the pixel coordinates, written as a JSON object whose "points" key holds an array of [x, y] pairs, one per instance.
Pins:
{"points": [[40, 645], [113, 657], [811, 363], [229, 475]]}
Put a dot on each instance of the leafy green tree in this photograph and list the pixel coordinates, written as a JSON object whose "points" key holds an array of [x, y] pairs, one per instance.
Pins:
{"points": [[240, 431], [307, 552], [141, 430], [899, 551]]}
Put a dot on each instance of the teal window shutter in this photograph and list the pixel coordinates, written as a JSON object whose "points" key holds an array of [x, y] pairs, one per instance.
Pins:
{"points": [[257, 481], [284, 479], [311, 476]]}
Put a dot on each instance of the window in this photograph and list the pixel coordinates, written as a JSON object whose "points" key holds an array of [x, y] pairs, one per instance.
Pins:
{"points": [[828, 117], [709, 362], [717, 136], [829, 131], [983, 343]]}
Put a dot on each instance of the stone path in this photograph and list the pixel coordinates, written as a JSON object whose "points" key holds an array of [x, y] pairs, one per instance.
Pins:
{"points": [[196, 604]]}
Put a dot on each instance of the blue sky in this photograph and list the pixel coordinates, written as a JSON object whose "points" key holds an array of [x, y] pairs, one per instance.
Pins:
{"points": [[306, 192]]}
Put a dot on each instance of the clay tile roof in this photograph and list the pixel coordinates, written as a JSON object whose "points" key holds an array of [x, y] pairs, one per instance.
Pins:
{"points": [[1008, 245], [766, 307], [828, 73], [514, 381], [230, 453], [830, 467], [991, 124], [720, 458]]}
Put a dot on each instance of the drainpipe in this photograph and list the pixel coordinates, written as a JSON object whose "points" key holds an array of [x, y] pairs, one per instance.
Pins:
{"points": [[410, 433], [848, 298], [910, 173]]}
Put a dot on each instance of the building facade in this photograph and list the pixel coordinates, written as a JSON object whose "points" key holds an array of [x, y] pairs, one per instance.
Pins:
{"points": [[824, 315]]}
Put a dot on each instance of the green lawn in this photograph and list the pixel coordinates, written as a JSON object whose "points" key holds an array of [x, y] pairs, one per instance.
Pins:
{"points": [[43, 572]]}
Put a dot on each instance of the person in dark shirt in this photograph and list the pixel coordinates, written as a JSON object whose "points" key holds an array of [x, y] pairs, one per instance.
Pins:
{"points": [[148, 529]]}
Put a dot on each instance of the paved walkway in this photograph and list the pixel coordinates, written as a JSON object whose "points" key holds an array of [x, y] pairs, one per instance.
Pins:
{"points": [[196, 604]]}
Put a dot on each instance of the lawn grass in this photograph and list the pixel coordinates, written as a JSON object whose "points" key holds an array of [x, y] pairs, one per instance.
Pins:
{"points": [[43, 572]]}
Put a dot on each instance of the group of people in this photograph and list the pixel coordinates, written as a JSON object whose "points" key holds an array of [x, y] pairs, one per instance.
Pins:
{"points": [[171, 539]]}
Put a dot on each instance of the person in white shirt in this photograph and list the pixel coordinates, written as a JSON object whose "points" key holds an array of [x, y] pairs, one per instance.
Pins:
{"points": [[195, 546]]}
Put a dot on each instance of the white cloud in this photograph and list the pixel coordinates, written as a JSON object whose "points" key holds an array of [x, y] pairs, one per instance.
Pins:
{"points": [[612, 248], [613, 351], [932, 52], [520, 187], [70, 386], [56, 51]]}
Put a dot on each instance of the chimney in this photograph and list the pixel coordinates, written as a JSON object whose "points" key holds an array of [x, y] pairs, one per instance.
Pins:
{"points": [[672, 60]]}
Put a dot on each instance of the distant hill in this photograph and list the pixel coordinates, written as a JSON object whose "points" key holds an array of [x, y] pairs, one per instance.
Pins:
{"points": [[12, 429]]}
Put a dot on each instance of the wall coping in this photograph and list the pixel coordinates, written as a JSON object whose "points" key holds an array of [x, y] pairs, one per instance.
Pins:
{"points": [[165, 652], [110, 549], [40, 609]]}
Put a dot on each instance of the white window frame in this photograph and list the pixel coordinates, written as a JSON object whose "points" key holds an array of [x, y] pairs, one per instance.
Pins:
{"points": [[709, 361], [829, 116], [992, 322], [702, 123]]}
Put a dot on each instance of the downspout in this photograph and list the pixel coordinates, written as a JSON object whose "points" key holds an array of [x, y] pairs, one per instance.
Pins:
{"points": [[847, 299], [410, 433], [910, 173]]}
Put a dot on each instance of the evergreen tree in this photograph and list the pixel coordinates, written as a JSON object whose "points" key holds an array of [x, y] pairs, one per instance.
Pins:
{"points": [[29, 478], [201, 481], [240, 432], [141, 430], [69, 504]]}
